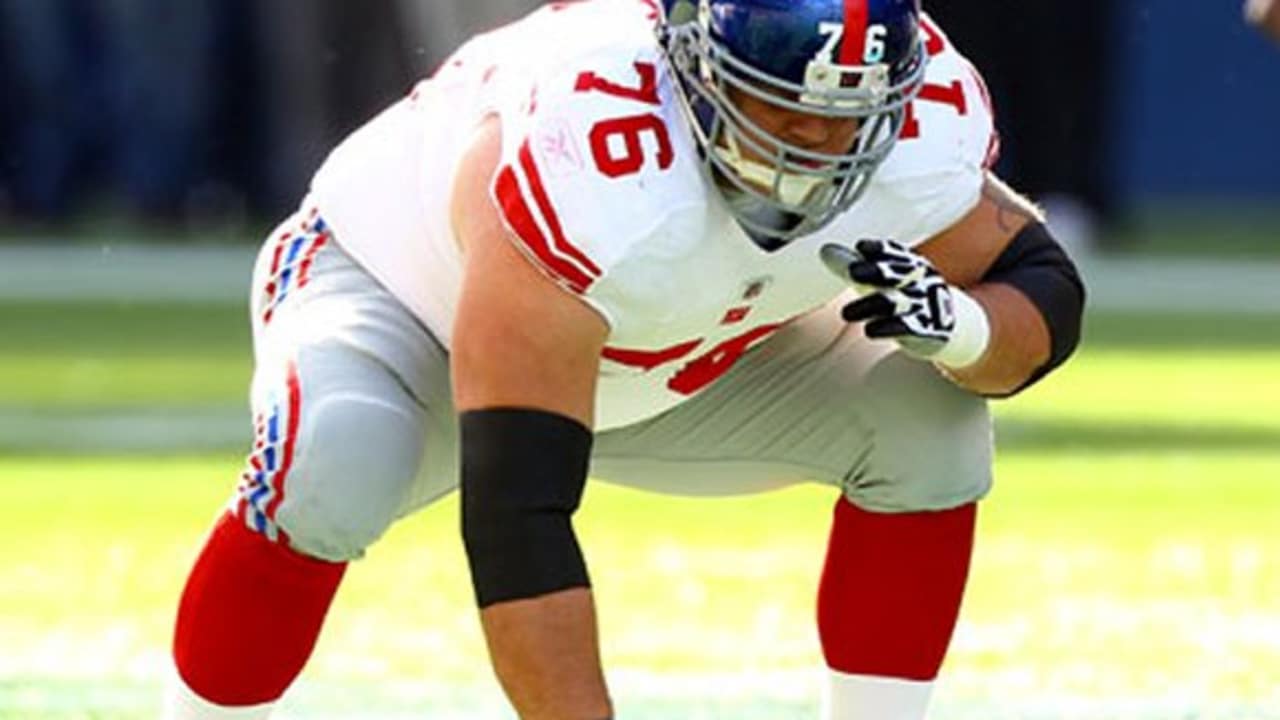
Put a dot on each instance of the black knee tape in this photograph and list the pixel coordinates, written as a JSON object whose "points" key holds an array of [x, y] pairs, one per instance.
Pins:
{"points": [[1036, 265], [523, 473]]}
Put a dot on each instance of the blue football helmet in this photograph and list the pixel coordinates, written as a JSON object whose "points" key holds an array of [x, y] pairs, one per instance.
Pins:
{"points": [[850, 59]]}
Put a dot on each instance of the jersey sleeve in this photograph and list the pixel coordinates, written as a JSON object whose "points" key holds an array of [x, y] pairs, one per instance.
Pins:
{"points": [[586, 161], [935, 173]]}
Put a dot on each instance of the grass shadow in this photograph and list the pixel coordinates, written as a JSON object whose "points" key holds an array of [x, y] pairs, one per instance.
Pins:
{"points": [[1095, 436]]}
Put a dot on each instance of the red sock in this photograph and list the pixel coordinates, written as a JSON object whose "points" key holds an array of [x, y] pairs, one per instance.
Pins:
{"points": [[249, 616], [891, 589]]}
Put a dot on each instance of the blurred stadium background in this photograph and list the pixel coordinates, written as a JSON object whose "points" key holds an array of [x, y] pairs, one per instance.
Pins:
{"points": [[1129, 559]]}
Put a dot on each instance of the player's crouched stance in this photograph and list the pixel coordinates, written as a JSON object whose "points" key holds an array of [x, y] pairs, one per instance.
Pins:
{"points": [[757, 247]]}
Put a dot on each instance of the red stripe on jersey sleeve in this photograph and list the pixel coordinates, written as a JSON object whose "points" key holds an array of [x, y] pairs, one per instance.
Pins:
{"points": [[549, 213], [520, 219]]}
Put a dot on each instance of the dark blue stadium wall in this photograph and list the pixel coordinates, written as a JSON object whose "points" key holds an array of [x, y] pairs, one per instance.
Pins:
{"points": [[1198, 105]]}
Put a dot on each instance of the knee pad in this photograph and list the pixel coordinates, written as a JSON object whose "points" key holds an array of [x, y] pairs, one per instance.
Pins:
{"points": [[358, 457]]}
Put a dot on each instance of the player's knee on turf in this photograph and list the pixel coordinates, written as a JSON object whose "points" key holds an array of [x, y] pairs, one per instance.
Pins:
{"points": [[362, 454], [932, 444]]}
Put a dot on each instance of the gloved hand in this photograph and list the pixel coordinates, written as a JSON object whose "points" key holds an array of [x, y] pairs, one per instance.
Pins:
{"points": [[904, 297]]}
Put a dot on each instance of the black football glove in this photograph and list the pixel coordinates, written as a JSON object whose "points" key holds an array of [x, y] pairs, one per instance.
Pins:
{"points": [[906, 299]]}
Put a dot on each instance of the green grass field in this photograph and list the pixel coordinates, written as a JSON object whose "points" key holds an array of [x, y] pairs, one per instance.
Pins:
{"points": [[1128, 564]]}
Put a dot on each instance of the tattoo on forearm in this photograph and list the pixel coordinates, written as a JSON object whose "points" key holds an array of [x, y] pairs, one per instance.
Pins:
{"points": [[1012, 209]]}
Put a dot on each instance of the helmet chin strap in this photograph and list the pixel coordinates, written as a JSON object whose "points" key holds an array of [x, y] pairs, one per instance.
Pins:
{"points": [[792, 189]]}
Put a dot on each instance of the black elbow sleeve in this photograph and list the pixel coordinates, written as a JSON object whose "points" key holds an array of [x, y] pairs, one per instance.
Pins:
{"points": [[523, 473], [1036, 265]]}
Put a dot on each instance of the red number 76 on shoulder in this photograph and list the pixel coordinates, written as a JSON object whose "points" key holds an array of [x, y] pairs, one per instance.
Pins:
{"points": [[629, 129]]}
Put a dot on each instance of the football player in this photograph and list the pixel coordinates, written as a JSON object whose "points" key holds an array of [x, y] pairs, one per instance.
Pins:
{"points": [[699, 247]]}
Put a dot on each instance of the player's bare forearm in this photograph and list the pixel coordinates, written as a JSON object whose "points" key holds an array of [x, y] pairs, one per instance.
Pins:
{"points": [[524, 359], [545, 652], [1019, 342]]}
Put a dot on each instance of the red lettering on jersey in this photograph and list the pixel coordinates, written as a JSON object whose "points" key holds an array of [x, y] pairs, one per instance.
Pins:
{"points": [[699, 372], [933, 44], [952, 95], [632, 158], [646, 93], [704, 370], [735, 315], [649, 359], [630, 127]]}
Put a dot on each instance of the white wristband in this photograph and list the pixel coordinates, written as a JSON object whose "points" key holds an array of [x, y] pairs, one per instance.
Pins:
{"points": [[971, 335]]}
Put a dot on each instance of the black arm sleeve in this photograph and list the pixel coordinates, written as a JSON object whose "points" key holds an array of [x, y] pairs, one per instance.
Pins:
{"points": [[1037, 266], [523, 473]]}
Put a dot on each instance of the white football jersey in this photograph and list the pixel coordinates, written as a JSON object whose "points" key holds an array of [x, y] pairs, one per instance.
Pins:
{"points": [[601, 184]]}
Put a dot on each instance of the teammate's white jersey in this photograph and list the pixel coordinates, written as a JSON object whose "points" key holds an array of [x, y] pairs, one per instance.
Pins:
{"points": [[601, 183]]}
